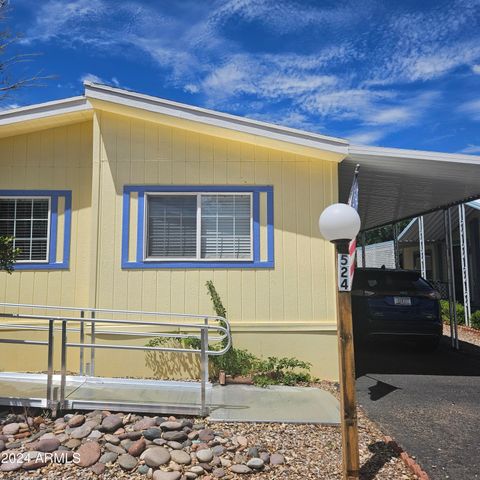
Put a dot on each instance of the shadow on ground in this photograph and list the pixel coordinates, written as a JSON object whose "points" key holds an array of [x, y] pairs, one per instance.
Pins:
{"points": [[382, 454], [400, 358]]}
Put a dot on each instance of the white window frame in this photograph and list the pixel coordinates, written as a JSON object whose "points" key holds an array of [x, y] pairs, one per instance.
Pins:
{"points": [[33, 197], [198, 257]]}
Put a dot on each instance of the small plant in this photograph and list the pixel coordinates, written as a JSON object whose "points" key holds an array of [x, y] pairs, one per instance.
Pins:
{"points": [[282, 371], [8, 254], [445, 312], [475, 320]]}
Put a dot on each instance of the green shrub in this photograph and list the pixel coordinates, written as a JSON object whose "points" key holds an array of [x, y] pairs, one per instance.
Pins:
{"points": [[281, 371], [237, 361], [445, 312], [475, 319]]}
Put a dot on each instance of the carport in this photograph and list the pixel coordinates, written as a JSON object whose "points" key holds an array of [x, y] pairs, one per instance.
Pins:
{"points": [[397, 184]]}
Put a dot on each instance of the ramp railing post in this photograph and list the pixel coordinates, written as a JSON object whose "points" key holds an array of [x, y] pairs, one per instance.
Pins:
{"points": [[50, 399], [82, 341], [396, 247], [63, 364], [92, 350], [204, 367]]}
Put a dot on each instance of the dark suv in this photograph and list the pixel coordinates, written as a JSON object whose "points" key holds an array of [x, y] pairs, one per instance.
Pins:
{"points": [[395, 304]]}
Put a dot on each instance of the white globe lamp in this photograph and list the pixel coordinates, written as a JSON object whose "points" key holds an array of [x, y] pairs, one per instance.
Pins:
{"points": [[339, 223]]}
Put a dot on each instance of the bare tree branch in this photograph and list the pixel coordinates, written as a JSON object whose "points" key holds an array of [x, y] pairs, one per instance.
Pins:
{"points": [[8, 81]]}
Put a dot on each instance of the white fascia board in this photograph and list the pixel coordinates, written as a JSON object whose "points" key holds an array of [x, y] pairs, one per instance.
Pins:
{"points": [[357, 151], [213, 118], [44, 110]]}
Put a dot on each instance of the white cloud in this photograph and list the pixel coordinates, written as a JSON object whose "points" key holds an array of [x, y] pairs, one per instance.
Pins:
{"points": [[345, 77], [470, 148], [471, 108], [367, 137], [91, 77]]}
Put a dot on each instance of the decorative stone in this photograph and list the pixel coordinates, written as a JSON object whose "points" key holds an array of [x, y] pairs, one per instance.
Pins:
{"points": [[112, 423], [95, 435], [218, 473], [206, 435], [114, 448], [180, 457], [218, 450], [108, 457], [152, 433], [33, 465], [2, 445], [76, 421], [161, 475], [175, 445], [241, 469], [73, 443], [137, 448], [127, 462], [130, 435], [160, 441], [98, 468], [197, 469], [205, 455], [171, 426], [242, 441], [89, 454], [256, 463], [156, 456], [277, 459], [265, 456], [143, 469], [126, 444], [113, 439], [176, 436], [11, 429], [48, 444], [143, 424], [10, 466], [82, 431]]}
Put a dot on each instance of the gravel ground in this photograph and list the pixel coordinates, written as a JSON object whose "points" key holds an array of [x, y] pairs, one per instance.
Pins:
{"points": [[465, 334], [310, 452]]}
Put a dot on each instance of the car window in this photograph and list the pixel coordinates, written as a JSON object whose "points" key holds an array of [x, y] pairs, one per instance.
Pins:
{"points": [[382, 280]]}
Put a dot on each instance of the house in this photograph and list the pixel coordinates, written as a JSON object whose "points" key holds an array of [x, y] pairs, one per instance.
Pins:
{"points": [[128, 201]]}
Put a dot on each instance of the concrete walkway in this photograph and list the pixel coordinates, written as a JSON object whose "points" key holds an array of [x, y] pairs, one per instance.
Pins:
{"points": [[232, 403], [247, 403]]}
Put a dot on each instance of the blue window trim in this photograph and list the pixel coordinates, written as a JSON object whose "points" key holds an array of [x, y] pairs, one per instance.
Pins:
{"points": [[141, 190], [54, 195]]}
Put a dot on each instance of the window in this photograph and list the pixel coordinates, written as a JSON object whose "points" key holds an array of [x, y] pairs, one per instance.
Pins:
{"points": [[39, 222], [199, 226], [206, 226], [27, 221]]}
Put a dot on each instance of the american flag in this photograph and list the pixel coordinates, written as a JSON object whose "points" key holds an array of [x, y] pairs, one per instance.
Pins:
{"points": [[353, 202]]}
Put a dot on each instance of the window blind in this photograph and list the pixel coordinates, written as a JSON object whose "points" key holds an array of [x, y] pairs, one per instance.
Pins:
{"points": [[26, 220], [226, 226], [172, 226]]}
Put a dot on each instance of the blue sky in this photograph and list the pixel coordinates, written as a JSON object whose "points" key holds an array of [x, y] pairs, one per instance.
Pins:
{"points": [[403, 73]]}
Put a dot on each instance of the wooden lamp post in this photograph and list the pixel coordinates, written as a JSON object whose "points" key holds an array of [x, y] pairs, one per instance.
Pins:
{"points": [[340, 223]]}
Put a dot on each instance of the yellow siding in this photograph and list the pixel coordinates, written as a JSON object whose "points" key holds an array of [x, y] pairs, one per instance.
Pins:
{"points": [[54, 159], [299, 290]]}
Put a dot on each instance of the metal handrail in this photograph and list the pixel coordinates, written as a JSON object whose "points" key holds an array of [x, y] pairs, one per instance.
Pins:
{"points": [[223, 335]]}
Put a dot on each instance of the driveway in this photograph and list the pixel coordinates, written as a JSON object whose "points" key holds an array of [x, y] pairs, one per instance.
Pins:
{"points": [[428, 402]]}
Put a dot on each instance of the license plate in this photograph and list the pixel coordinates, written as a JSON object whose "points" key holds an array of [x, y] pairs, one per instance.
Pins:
{"points": [[405, 301]]}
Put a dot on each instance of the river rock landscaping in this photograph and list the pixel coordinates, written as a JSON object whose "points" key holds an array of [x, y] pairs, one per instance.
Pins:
{"points": [[107, 445]]}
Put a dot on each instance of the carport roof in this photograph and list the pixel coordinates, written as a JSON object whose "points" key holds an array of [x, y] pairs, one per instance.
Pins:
{"points": [[396, 184]]}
